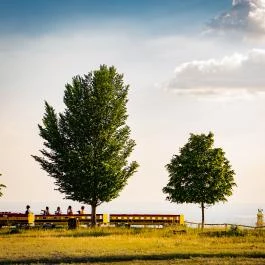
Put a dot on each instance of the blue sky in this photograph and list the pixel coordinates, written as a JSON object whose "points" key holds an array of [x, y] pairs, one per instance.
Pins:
{"points": [[193, 67], [37, 17]]}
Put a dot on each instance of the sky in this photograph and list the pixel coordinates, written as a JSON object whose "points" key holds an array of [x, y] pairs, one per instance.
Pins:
{"points": [[193, 66]]}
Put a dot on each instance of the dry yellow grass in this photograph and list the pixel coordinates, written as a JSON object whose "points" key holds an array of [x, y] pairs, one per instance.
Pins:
{"points": [[130, 246]]}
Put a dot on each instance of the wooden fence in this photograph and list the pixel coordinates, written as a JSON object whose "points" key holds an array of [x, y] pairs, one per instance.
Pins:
{"points": [[223, 226]]}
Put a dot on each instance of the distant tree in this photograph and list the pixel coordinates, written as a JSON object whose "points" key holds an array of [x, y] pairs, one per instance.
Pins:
{"points": [[87, 145], [199, 174], [1, 186]]}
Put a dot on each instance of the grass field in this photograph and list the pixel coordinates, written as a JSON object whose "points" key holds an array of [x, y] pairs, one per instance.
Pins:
{"points": [[131, 246]]}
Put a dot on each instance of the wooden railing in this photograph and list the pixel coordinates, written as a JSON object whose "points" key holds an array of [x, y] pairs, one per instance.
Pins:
{"points": [[224, 225]]}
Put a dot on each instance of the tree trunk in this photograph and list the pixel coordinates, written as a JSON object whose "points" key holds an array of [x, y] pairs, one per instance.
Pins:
{"points": [[93, 215], [203, 207]]}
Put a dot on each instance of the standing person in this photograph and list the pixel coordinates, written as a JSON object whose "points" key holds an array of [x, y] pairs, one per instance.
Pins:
{"points": [[69, 210], [27, 210], [82, 211], [58, 211], [46, 211]]}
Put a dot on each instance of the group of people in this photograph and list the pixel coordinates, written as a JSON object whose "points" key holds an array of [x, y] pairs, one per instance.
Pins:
{"points": [[58, 210]]}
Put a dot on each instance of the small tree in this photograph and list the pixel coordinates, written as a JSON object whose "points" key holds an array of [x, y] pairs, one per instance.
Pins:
{"points": [[1, 186], [87, 145], [200, 174]]}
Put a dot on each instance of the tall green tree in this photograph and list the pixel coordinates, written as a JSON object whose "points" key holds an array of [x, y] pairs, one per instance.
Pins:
{"points": [[1, 186], [200, 174], [88, 145]]}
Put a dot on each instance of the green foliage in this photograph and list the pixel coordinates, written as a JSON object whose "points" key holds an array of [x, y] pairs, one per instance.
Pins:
{"points": [[235, 231], [200, 174], [1, 186], [87, 145]]}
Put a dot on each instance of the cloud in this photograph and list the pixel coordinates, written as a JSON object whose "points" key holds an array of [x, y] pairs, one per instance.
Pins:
{"points": [[246, 17], [231, 74]]}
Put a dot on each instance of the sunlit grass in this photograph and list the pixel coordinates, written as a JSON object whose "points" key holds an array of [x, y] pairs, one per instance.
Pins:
{"points": [[131, 246]]}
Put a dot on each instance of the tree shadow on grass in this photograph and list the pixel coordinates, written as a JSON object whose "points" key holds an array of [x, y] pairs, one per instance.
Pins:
{"points": [[127, 258]]}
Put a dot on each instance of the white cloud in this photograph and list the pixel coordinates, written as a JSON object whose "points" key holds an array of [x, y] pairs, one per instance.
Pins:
{"points": [[246, 17], [235, 73], [256, 16]]}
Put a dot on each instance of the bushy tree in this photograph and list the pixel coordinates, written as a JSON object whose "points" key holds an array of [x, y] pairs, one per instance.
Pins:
{"points": [[199, 174], [1, 186], [87, 146]]}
